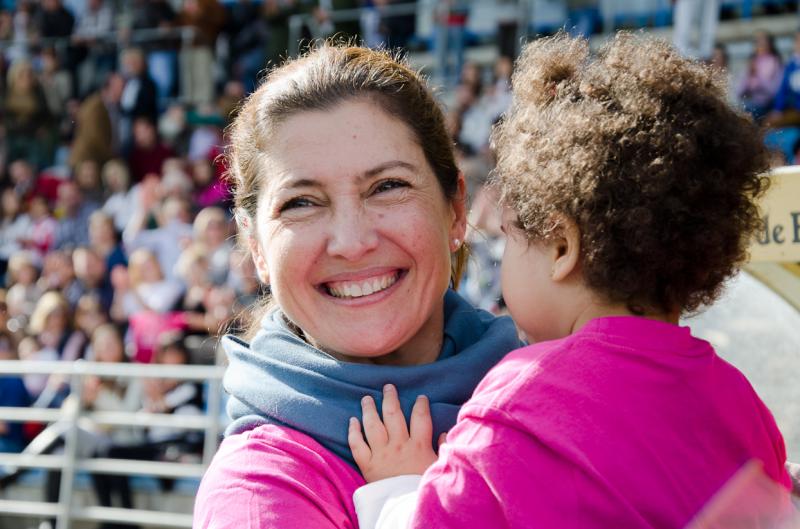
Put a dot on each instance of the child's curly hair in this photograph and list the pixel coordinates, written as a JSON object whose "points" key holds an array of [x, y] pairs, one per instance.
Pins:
{"points": [[640, 148]]}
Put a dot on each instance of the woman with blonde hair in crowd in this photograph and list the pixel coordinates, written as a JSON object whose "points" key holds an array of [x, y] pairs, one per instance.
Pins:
{"points": [[146, 300], [212, 229]]}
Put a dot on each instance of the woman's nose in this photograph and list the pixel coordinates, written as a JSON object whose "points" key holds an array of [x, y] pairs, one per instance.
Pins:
{"points": [[352, 234]]}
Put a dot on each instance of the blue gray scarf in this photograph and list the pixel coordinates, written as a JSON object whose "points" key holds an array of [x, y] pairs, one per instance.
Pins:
{"points": [[280, 379]]}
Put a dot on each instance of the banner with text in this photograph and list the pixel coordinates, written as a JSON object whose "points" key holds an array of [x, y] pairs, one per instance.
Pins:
{"points": [[779, 237]]}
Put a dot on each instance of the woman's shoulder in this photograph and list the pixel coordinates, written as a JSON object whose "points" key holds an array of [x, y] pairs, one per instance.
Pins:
{"points": [[280, 477]]}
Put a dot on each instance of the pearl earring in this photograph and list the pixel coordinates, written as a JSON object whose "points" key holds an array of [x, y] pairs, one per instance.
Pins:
{"points": [[457, 243]]}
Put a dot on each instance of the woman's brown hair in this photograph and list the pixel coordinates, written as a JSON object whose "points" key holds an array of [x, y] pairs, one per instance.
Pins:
{"points": [[639, 147], [326, 77]]}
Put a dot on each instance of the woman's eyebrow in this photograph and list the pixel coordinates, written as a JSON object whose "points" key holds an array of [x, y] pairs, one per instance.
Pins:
{"points": [[378, 169], [366, 175]]}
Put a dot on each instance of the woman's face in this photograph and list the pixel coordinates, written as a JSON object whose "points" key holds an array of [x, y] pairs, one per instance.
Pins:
{"points": [[354, 234]]}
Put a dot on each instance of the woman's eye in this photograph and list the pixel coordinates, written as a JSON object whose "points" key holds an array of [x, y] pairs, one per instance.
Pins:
{"points": [[388, 185], [295, 203]]}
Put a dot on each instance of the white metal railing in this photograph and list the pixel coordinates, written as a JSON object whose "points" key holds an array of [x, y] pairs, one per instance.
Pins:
{"points": [[69, 462]]}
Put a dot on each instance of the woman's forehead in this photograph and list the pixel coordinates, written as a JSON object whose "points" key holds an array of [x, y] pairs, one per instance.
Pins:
{"points": [[349, 140]]}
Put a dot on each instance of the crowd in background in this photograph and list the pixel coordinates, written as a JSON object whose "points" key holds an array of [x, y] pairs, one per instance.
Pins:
{"points": [[116, 237]]}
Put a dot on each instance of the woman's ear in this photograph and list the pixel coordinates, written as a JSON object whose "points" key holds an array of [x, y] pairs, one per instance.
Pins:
{"points": [[566, 248], [458, 227], [258, 260]]}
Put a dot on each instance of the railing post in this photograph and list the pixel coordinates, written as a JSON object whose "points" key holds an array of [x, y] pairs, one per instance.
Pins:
{"points": [[212, 431], [73, 413]]}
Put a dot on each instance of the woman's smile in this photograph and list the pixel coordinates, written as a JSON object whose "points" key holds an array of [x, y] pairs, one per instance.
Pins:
{"points": [[365, 288]]}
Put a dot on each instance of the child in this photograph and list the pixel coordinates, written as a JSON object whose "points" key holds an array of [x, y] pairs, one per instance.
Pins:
{"points": [[629, 188]]}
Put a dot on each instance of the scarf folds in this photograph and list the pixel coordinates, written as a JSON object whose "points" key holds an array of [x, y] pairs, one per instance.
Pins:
{"points": [[280, 379]]}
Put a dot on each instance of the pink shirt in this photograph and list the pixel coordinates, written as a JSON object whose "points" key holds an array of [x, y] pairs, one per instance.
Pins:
{"points": [[627, 423], [276, 478]]}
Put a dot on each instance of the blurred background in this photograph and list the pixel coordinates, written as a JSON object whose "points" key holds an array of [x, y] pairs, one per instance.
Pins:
{"points": [[117, 245]]}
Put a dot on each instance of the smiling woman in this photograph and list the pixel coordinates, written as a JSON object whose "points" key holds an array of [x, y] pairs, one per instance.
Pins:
{"points": [[350, 201]]}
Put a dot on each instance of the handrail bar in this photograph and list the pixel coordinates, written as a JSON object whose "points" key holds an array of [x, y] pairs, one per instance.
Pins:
{"points": [[98, 514], [111, 418], [102, 465], [107, 369]]}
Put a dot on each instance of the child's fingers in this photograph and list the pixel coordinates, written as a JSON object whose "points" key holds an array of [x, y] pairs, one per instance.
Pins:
{"points": [[393, 418], [359, 447], [421, 425], [373, 427]]}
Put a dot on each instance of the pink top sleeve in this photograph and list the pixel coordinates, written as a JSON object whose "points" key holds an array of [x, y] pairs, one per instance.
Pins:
{"points": [[273, 477]]}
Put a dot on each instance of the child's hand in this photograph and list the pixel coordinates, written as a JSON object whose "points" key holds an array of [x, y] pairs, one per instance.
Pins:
{"points": [[389, 449]]}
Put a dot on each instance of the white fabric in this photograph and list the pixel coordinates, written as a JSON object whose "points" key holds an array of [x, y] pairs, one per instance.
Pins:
{"points": [[388, 503]]}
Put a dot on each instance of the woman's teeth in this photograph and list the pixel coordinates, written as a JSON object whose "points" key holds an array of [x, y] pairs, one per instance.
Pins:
{"points": [[357, 289]]}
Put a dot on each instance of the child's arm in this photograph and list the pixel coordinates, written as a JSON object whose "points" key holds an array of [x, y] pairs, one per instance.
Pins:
{"points": [[391, 459]]}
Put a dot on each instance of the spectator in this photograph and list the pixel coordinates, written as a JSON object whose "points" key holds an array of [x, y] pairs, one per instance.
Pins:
{"points": [[23, 179], [51, 324], [97, 131], [206, 18], [146, 289], [14, 227], [43, 231], [146, 299], [92, 276], [54, 20], [148, 153], [193, 270], [12, 393], [211, 230], [397, 30], [27, 118], [59, 275], [139, 97], [56, 83], [174, 232], [209, 189], [87, 178], [31, 350], [73, 213], [787, 100], [162, 53], [92, 45], [242, 278], [103, 240], [247, 32], [760, 82], [89, 315], [23, 291], [121, 199], [22, 32]]}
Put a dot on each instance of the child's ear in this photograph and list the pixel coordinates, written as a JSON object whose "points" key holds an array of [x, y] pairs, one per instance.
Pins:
{"points": [[566, 250]]}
